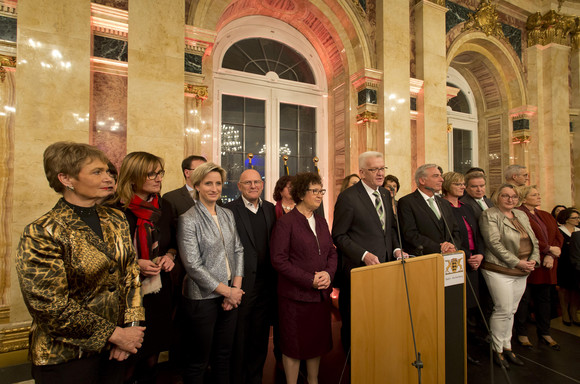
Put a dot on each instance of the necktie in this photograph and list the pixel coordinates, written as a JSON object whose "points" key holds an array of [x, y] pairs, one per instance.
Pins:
{"points": [[431, 201], [379, 208], [480, 202]]}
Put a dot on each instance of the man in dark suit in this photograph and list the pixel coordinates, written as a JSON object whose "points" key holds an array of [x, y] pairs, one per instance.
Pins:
{"points": [[475, 193], [364, 229], [181, 199], [424, 217], [255, 219]]}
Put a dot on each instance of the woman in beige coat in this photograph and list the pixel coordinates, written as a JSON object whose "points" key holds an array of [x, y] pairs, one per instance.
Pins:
{"points": [[511, 254]]}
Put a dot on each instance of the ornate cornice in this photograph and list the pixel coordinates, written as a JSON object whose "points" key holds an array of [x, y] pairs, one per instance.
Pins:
{"points": [[197, 91], [6, 61], [553, 27], [438, 2], [367, 78], [14, 339], [109, 22], [8, 8], [485, 19]]}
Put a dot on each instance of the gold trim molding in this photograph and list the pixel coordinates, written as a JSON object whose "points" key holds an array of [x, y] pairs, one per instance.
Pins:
{"points": [[553, 27], [366, 116], [6, 61], [198, 91], [14, 339], [485, 19], [4, 314]]}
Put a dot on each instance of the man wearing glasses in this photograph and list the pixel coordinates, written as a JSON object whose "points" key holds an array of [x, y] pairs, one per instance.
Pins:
{"points": [[427, 221], [181, 199], [364, 229], [255, 219]]}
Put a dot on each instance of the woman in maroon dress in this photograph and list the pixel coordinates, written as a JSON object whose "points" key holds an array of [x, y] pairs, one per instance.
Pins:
{"points": [[303, 254]]}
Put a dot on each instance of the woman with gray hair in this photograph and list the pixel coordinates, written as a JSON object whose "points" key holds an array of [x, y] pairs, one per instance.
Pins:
{"points": [[511, 254], [212, 255]]}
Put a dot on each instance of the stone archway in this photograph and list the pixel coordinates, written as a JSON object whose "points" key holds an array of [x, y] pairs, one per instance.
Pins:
{"points": [[495, 74]]}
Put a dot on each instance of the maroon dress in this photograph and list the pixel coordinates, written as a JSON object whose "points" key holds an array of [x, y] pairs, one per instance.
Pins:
{"points": [[304, 312]]}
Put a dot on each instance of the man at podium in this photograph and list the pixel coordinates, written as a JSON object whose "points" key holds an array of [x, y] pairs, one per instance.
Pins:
{"points": [[364, 229]]}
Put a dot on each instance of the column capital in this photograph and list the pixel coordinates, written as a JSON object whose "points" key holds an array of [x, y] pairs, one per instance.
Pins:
{"points": [[434, 4], [367, 78], [552, 27]]}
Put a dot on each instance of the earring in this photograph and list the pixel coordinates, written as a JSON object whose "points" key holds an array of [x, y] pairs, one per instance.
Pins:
{"points": [[70, 188]]}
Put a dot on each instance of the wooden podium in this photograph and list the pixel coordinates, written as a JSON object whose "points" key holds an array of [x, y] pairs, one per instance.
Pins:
{"points": [[381, 342]]}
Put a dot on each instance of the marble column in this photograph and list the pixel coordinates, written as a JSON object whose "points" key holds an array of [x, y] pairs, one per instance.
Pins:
{"points": [[155, 103], [52, 104], [393, 57], [432, 69], [550, 141]]}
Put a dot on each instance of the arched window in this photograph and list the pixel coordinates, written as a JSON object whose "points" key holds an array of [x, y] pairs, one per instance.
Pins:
{"points": [[262, 56], [271, 96], [462, 115]]}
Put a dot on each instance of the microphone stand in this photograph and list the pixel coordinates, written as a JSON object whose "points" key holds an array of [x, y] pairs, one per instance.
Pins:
{"points": [[475, 297], [418, 363]]}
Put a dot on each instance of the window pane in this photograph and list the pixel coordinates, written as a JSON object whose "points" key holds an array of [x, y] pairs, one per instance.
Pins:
{"points": [[305, 164], [288, 116], [231, 138], [307, 119], [462, 150], [232, 109], [255, 140], [288, 142], [233, 164], [307, 141], [255, 112]]}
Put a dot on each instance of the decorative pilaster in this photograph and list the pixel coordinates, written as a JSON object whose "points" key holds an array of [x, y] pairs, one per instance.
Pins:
{"points": [[432, 69], [196, 132], [366, 84], [549, 139]]}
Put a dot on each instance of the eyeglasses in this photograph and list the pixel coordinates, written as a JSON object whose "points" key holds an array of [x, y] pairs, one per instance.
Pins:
{"points": [[574, 218], [459, 184], [153, 175], [317, 191], [509, 197], [252, 182], [375, 170]]}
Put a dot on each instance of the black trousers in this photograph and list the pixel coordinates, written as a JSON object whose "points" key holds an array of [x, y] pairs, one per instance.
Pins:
{"points": [[540, 294], [344, 308], [91, 370], [252, 335], [209, 337]]}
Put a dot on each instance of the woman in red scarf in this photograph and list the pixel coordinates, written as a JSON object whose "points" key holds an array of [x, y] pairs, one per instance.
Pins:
{"points": [[153, 232]]}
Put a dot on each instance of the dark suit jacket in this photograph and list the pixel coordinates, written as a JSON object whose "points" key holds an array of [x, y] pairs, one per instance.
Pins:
{"points": [[466, 199], [180, 201], [357, 228], [420, 226], [246, 233]]}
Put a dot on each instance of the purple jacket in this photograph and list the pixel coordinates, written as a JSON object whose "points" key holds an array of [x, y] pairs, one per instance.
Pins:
{"points": [[297, 254]]}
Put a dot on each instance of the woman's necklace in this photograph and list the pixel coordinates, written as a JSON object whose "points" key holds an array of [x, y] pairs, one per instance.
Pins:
{"points": [[289, 207]]}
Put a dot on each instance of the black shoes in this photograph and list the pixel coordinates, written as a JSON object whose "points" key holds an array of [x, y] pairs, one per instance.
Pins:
{"points": [[509, 355], [499, 359], [525, 342], [552, 344]]}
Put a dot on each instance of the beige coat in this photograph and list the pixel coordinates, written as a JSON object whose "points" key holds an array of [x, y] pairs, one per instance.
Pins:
{"points": [[502, 239]]}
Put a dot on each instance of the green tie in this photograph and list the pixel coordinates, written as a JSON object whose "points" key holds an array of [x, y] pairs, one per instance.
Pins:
{"points": [[431, 201], [480, 202], [379, 208]]}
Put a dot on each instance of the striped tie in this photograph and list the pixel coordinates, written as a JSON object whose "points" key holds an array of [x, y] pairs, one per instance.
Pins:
{"points": [[481, 204], [379, 208]]}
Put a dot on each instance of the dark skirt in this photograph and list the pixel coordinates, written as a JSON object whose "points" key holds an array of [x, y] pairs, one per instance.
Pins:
{"points": [[305, 328], [158, 319]]}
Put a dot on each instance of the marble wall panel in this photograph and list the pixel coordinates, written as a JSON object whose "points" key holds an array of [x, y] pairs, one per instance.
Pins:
{"points": [[109, 115], [7, 28], [155, 104], [52, 103], [108, 48], [193, 63]]}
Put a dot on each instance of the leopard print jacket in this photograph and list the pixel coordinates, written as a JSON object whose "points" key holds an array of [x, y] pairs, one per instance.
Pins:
{"points": [[77, 287]]}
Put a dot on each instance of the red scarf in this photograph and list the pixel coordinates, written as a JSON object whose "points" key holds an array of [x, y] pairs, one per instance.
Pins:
{"points": [[146, 235]]}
